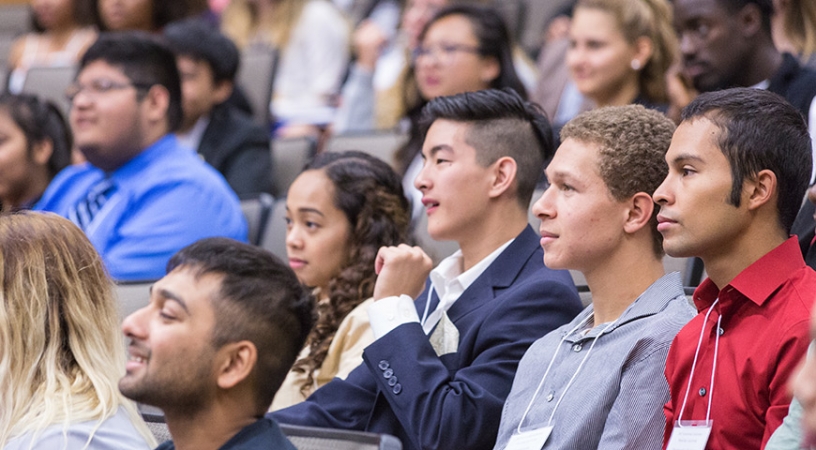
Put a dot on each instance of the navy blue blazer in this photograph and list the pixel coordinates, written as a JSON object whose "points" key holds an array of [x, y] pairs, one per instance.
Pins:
{"points": [[454, 401]]}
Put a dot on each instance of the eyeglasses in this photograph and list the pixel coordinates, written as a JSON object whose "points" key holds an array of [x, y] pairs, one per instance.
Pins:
{"points": [[444, 53], [100, 86]]}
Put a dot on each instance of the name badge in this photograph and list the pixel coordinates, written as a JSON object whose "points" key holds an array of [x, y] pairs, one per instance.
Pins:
{"points": [[690, 435], [529, 440]]}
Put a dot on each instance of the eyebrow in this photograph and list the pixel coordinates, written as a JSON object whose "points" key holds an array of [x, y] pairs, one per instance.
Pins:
{"points": [[686, 157], [438, 148], [164, 293], [307, 210]]}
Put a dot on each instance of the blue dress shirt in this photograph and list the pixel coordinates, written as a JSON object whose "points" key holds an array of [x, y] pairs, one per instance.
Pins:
{"points": [[164, 199]]}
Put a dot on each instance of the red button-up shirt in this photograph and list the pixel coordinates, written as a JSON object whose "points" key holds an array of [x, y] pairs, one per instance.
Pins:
{"points": [[763, 335]]}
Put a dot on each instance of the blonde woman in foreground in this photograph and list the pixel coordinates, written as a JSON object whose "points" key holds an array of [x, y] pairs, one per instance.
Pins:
{"points": [[61, 351]]}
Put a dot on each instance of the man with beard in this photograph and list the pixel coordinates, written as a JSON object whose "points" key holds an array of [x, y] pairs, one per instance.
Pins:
{"points": [[215, 342]]}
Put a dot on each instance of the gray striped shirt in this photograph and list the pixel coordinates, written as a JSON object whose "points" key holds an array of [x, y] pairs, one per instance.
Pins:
{"points": [[616, 400]]}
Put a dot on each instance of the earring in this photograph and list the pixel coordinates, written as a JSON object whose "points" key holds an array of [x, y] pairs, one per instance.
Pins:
{"points": [[635, 64]]}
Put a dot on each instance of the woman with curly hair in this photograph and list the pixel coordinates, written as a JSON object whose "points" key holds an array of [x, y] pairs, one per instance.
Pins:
{"points": [[61, 351], [339, 211]]}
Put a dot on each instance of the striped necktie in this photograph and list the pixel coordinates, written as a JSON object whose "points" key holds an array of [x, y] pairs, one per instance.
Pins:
{"points": [[83, 213]]}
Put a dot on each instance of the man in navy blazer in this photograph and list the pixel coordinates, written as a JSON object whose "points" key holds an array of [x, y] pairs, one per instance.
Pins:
{"points": [[441, 366]]}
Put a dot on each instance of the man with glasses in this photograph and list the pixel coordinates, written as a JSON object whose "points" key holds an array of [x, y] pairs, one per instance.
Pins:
{"points": [[140, 197]]}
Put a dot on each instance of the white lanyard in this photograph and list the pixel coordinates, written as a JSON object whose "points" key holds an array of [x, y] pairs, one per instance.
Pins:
{"points": [[549, 366], [713, 366]]}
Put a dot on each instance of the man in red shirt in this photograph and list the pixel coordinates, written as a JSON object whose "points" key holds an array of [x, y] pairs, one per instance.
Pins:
{"points": [[739, 165]]}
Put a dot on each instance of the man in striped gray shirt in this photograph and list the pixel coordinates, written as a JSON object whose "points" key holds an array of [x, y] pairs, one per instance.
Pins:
{"points": [[598, 381]]}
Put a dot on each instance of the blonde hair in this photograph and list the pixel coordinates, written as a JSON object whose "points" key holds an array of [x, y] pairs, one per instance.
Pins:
{"points": [[61, 351], [242, 22], [800, 26], [651, 19]]}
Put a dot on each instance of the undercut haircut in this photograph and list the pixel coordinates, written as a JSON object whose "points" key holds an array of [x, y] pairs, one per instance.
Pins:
{"points": [[500, 123], [145, 60], [759, 130], [260, 300], [632, 143]]}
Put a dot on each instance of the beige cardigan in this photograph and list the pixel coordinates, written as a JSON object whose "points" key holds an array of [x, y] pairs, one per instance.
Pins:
{"points": [[345, 354]]}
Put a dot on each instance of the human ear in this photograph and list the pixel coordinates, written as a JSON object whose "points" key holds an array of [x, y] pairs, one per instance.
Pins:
{"points": [[237, 360], [156, 103], [221, 92], [41, 151], [639, 212], [644, 48], [490, 70], [504, 175], [761, 189]]}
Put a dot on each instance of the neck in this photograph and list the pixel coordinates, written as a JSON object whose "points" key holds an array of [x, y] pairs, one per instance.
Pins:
{"points": [[623, 95], [621, 279], [722, 267], [484, 237], [764, 64], [38, 182], [206, 429]]}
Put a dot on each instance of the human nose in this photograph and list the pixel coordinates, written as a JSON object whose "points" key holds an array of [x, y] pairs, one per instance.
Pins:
{"points": [[687, 43], [422, 181], [543, 207], [293, 238], [662, 195], [133, 325]]}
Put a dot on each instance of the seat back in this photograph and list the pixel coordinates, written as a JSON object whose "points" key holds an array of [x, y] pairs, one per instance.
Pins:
{"points": [[310, 438], [14, 18], [50, 82], [256, 77], [383, 145], [288, 158], [274, 237], [256, 210]]}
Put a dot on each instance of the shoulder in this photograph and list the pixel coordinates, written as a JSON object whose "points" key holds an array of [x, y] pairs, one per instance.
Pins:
{"points": [[321, 11]]}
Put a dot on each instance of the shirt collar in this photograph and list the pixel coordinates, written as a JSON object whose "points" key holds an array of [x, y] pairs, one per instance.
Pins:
{"points": [[449, 270], [192, 139], [160, 149], [759, 280]]}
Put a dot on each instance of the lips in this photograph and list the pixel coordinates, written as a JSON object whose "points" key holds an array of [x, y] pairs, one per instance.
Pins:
{"points": [[430, 204], [136, 358], [695, 69], [547, 237], [664, 223], [296, 263]]}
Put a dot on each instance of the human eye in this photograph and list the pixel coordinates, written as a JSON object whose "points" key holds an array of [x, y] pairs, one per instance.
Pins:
{"points": [[594, 45], [101, 85], [288, 221], [311, 225], [686, 171]]}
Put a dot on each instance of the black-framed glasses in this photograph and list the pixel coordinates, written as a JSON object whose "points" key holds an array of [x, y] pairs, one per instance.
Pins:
{"points": [[100, 86], [444, 52]]}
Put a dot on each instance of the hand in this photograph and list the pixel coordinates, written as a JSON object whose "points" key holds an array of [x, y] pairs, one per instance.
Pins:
{"points": [[368, 40], [401, 270]]}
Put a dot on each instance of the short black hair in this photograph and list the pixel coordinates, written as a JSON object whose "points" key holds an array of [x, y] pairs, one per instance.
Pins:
{"points": [[40, 120], [196, 39], [765, 7], [759, 130], [501, 124], [260, 300], [145, 60]]}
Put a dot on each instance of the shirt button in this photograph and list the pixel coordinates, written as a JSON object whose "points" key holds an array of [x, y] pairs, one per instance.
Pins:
{"points": [[390, 317], [397, 389], [388, 373], [550, 397], [721, 331], [702, 392], [392, 381], [383, 365], [577, 348]]}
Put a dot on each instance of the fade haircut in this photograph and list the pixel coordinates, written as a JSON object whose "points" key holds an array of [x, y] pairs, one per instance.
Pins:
{"points": [[759, 130], [632, 143], [500, 123], [260, 300], [144, 60]]}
